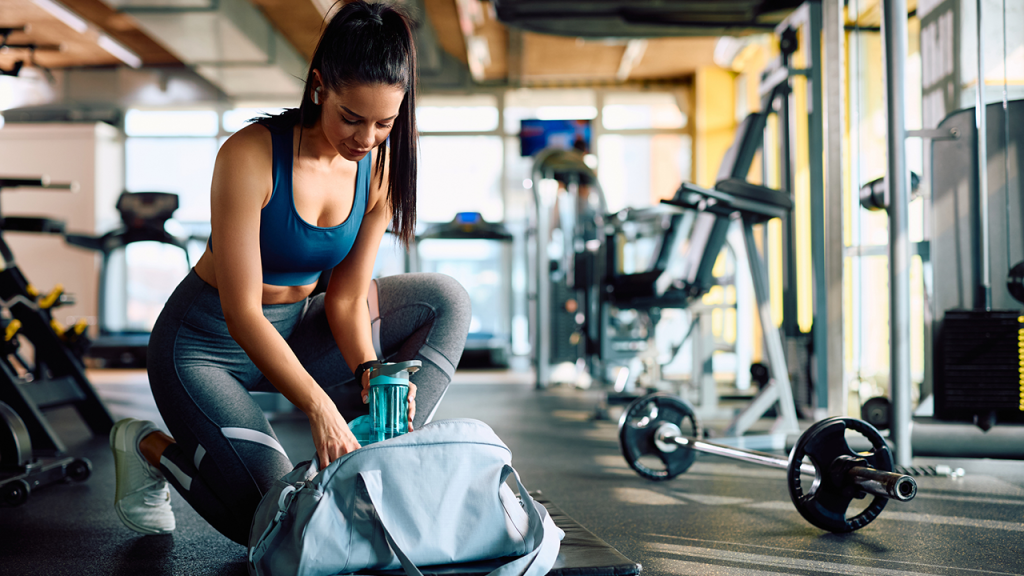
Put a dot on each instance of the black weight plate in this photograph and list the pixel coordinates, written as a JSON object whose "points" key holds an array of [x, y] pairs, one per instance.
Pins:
{"points": [[825, 505], [1015, 281], [15, 441], [876, 411], [638, 428]]}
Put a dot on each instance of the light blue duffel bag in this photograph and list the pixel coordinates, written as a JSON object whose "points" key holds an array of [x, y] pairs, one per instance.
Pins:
{"points": [[433, 496]]}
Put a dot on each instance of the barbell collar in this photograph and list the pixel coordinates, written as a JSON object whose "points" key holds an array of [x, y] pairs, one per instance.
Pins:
{"points": [[899, 487]]}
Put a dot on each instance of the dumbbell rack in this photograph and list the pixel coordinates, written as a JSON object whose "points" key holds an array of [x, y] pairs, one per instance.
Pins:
{"points": [[55, 378]]}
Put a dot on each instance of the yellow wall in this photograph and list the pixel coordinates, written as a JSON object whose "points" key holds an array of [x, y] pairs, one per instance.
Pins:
{"points": [[715, 121]]}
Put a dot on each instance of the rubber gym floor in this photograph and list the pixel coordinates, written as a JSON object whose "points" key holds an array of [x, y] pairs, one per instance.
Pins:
{"points": [[722, 517]]}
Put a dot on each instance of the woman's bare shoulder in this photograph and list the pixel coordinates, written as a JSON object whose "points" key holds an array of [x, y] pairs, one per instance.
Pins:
{"points": [[245, 164], [253, 139]]}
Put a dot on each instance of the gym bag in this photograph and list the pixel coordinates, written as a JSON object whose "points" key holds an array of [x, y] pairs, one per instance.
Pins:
{"points": [[430, 497]]}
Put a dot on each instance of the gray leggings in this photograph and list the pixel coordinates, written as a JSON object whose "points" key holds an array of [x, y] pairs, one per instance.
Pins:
{"points": [[226, 454]]}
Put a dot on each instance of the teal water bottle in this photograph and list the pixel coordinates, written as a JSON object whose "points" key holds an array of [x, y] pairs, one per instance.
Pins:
{"points": [[389, 399]]}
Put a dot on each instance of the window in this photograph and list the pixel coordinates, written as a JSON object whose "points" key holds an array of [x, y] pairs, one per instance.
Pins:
{"points": [[171, 123], [548, 105], [460, 174], [235, 120], [641, 110], [166, 151], [637, 171], [457, 113]]}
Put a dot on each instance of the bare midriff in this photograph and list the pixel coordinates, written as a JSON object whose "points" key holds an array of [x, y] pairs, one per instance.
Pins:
{"points": [[271, 294]]}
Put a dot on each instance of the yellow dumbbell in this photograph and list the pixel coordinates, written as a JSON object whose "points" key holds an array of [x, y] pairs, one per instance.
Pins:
{"points": [[12, 328], [52, 298]]}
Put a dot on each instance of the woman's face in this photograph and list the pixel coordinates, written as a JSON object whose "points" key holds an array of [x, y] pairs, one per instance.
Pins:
{"points": [[356, 119]]}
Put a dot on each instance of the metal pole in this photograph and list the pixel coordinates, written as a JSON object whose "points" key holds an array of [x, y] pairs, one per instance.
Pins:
{"points": [[787, 421], [982, 126], [541, 321], [815, 139], [832, 18], [894, 32], [1006, 147]]}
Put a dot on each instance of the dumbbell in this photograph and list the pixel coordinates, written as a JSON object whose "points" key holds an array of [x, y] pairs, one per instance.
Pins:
{"points": [[654, 426]]}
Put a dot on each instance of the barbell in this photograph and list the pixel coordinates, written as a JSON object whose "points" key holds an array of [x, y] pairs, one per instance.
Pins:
{"points": [[654, 426]]}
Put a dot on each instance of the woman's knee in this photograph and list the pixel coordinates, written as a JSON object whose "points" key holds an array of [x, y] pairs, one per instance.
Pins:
{"points": [[445, 296], [449, 296]]}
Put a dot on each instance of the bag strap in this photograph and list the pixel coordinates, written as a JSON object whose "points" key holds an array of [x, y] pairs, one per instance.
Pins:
{"points": [[284, 500], [542, 534]]}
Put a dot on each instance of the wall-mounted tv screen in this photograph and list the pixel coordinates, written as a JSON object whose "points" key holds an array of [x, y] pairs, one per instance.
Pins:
{"points": [[535, 135]]}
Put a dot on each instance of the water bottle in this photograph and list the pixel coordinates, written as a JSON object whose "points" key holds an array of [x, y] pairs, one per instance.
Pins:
{"points": [[389, 403], [389, 398]]}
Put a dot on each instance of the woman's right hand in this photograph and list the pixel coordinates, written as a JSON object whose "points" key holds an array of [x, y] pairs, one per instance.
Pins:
{"points": [[331, 434]]}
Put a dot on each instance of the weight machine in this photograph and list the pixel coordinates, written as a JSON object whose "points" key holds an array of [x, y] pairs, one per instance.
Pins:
{"points": [[586, 263], [565, 256], [732, 199]]}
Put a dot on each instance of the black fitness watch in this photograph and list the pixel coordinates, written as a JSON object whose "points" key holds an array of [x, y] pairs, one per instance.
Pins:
{"points": [[369, 365]]}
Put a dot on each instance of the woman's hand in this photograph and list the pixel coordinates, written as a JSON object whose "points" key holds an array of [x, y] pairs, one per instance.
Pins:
{"points": [[331, 434]]}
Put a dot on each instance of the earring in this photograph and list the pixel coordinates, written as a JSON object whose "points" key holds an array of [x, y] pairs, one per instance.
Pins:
{"points": [[316, 96]]}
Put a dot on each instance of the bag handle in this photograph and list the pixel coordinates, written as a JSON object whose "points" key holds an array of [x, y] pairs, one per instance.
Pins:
{"points": [[542, 533]]}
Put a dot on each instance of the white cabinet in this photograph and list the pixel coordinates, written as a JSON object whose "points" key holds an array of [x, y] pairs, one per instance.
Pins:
{"points": [[92, 155]]}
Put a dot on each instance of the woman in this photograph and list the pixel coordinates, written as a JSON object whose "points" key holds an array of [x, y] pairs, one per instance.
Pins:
{"points": [[312, 189]]}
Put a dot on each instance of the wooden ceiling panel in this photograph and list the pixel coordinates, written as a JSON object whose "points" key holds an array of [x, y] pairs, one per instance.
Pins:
{"points": [[548, 58], [674, 58], [443, 15], [297, 20]]}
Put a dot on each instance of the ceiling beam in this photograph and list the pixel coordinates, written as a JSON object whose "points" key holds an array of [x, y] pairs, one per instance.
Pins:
{"points": [[515, 57]]}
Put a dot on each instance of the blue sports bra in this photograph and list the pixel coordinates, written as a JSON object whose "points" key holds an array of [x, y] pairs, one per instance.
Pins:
{"points": [[293, 251]]}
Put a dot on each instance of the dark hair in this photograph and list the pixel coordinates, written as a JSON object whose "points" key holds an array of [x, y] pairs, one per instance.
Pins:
{"points": [[372, 43]]}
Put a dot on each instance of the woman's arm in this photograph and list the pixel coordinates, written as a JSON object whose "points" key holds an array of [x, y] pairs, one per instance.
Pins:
{"points": [[242, 184], [345, 301]]}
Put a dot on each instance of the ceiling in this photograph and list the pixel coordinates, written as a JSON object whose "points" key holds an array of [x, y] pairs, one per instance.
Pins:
{"points": [[253, 49], [464, 34]]}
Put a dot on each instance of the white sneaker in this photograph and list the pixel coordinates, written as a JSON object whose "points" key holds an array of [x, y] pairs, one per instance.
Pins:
{"points": [[143, 498]]}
